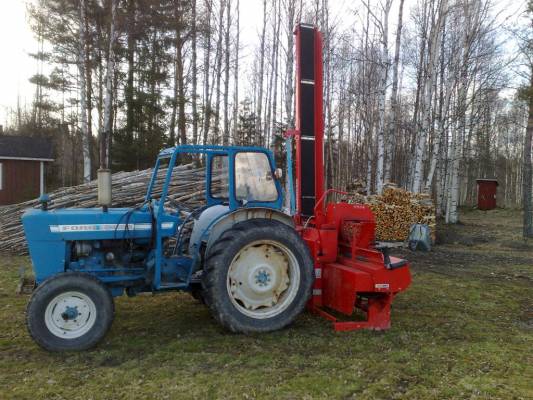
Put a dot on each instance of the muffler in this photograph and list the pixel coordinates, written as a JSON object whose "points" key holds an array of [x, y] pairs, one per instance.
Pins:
{"points": [[104, 188]]}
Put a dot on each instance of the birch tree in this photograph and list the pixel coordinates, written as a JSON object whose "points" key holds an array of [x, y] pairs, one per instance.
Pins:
{"points": [[290, 9], [393, 120], [384, 27], [236, 74], [82, 62], [527, 95], [105, 139], [207, 59], [194, 63], [218, 70], [470, 24], [259, 99], [427, 97], [227, 66], [528, 174]]}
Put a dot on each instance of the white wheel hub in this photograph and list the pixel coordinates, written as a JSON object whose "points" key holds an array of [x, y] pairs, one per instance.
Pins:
{"points": [[263, 279], [70, 315]]}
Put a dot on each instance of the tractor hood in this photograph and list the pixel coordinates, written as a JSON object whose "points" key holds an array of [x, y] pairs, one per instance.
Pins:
{"points": [[90, 224], [49, 232]]}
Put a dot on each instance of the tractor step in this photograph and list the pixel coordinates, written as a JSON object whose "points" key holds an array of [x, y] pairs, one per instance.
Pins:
{"points": [[172, 285]]}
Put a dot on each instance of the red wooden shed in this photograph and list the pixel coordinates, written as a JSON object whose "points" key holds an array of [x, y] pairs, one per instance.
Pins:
{"points": [[22, 167], [486, 193]]}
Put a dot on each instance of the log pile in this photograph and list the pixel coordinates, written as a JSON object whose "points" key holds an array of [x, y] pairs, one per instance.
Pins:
{"points": [[129, 189], [396, 210]]}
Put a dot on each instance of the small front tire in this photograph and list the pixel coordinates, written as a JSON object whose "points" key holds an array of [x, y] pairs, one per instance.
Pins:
{"points": [[70, 312]]}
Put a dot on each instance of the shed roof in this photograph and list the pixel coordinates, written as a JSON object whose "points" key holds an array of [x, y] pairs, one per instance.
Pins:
{"points": [[25, 148], [487, 180]]}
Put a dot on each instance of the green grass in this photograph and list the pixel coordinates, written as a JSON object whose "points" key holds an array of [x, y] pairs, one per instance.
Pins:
{"points": [[464, 329]]}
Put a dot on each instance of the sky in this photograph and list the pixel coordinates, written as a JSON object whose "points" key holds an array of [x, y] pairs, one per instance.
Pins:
{"points": [[16, 67], [17, 41]]}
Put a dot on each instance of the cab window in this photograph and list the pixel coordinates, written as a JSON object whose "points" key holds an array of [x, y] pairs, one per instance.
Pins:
{"points": [[219, 177], [253, 178]]}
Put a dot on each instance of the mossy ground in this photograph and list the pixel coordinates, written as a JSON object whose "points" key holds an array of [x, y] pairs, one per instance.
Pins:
{"points": [[464, 329]]}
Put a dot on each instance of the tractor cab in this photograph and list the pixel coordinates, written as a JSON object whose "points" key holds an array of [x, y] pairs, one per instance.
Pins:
{"points": [[240, 183], [235, 176]]}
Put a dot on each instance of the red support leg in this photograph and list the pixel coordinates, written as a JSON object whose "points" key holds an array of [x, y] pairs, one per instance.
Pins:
{"points": [[377, 310]]}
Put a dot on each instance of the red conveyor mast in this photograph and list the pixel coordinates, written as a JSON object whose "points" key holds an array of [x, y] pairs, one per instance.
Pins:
{"points": [[309, 120]]}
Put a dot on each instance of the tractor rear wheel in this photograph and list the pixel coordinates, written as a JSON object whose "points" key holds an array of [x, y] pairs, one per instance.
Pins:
{"points": [[258, 276], [70, 312]]}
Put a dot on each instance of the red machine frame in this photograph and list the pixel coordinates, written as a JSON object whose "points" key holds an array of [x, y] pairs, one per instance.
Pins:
{"points": [[352, 275]]}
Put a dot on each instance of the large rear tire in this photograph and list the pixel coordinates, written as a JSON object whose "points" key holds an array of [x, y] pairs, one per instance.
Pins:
{"points": [[70, 312], [258, 276]]}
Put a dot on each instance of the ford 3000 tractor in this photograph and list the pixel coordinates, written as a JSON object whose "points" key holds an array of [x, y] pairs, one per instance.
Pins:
{"points": [[256, 271]]}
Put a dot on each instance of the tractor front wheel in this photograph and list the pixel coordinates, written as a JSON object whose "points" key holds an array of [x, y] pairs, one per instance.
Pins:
{"points": [[258, 276], [70, 312]]}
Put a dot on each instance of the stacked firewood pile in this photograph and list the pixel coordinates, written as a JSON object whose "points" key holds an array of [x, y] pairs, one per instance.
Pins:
{"points": [[129, 189], [396, 210]]}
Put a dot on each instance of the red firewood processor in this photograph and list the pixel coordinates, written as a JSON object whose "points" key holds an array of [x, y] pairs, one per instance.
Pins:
{"points": [[352, 272]]}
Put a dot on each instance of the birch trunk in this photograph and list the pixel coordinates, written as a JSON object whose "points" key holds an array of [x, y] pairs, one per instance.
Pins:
{"points": [[326, 28], [434, 52], [441, 177], [207, 65], [420, 85], [452, 213], [275, 72], [382, 97], [182, 123], [173, 115], [393, 120], [194, 99], [130, 56], [105, 141], [259, 101], [82, 62], [225, 134], [472, 12], [218, 72], [236, 76], [289, 79], [528, 174], [445, 95]]}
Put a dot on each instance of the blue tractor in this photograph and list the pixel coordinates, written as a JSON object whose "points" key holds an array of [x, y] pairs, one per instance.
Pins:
{"points": [[239, 253]]}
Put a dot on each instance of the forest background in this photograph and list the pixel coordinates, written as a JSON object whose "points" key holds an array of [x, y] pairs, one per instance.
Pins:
{"points": [[428, 94]]}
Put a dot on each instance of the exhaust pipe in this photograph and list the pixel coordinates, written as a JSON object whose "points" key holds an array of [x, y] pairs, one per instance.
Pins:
{"points": [[104, 188]]}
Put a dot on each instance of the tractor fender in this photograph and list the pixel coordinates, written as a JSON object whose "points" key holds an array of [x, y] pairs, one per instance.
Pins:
{"points": [[227, 221], [204, 223]]}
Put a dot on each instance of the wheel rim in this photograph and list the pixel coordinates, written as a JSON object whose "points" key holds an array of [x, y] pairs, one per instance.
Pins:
{"points": [[70, 315], [263, 279]]}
